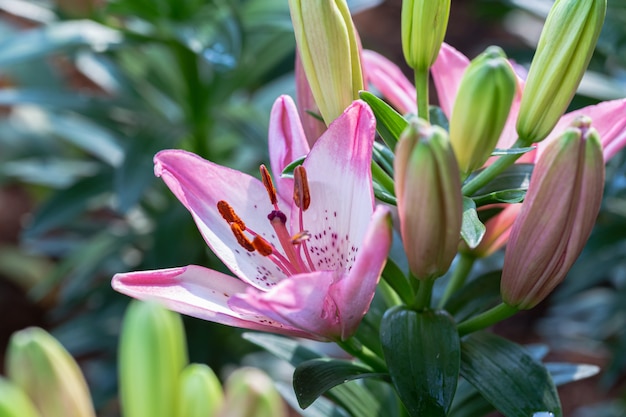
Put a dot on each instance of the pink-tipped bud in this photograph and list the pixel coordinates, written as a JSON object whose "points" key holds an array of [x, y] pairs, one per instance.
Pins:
{"points": [[430, 204], [556, 218]]}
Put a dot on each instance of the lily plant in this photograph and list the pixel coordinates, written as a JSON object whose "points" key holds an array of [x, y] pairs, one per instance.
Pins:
{"points": [[307, 255]]}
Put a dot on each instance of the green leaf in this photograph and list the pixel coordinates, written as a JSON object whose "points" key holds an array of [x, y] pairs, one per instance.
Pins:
{"points": [[472, 229], [313, 378], [320, 408], [43, 41], [477, 296], [396, 279], [438, 117], [389, 123], [505, 196], [422, 352], [357, 400], [515, 177], [507, 376], [283, 348], [289, 169]]}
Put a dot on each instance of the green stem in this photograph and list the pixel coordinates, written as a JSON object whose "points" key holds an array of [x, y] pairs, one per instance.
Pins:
{"points": [[367, 356], [421, 86], [457, 280], [424, 294], [389, 295], [381, 177], [488, 318], [492, 171]]}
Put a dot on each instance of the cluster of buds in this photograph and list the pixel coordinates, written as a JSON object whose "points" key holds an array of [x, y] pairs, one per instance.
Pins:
{"points": [[155, 378]]}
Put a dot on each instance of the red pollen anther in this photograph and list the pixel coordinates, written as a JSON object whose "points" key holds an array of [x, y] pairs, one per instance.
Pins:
{"points": [[277, 214], [229, 214], [262, 246], [269, 185], [241, 238], [301, 194]]}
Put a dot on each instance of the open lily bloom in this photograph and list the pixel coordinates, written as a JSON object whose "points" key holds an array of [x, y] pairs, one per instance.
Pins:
{"points": [[306, 265]]}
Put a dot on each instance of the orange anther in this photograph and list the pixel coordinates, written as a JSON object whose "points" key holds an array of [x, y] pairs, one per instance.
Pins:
{"points": [[262, 246], [241, 237], [301, 194], [229, 214], [269, 185]]}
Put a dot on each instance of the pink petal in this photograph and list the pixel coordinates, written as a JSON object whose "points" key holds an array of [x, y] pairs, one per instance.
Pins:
{"points": [[447, 72], [197, 292], [199, 185], [388, 78], [301, 301], [608, 118], [286, 142], [340, 183], [353, 294]]}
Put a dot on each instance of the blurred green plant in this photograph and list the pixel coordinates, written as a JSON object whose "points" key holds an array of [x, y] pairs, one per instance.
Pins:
{"points": [[89, 95]]}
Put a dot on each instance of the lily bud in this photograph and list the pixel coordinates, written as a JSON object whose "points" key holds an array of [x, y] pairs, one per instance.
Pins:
{"points": [[565, 47], [39, 365], [424, 24], [556, 218], [14, 402], [481, 108], [251, 393], [330, 53], [201, 393], [152, 355], [430, 203]]}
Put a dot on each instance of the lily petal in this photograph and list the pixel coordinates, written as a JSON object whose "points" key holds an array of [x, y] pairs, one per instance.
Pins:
{"points": [[447, 72], [607, 118], [355, 292], [327, 303], [197, 292], [199, 185], [340, 183], [387, 77], [287, 142]]}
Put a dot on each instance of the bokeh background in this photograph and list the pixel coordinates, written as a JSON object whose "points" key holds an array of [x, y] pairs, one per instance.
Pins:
{"points": [[90, 90]]}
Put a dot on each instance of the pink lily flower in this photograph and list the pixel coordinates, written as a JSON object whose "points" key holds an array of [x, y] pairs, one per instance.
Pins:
{"points": [[447, 72], [306, 265]]}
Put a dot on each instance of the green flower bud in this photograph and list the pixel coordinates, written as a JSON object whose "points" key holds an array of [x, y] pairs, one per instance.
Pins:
{"points": [[556, 218], [47, 373], [152, 355], [430, 203], [481, 108], [14, 402], [200, 392], [563, 53], [330, 53], [251, 393], [424, 24]]}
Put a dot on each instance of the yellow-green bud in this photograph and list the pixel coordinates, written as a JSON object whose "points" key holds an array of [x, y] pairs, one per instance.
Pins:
{"points": [[14, 402], [430, 203], [152, 356], [481, 108], [47, 373], [424, 24], [201, 393], [563, 53], [251, 393], [330, 53]]}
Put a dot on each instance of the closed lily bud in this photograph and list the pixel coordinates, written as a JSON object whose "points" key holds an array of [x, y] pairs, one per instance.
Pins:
{"points": [[481, 108], [201, 393], [424, 24], [14, 402], [330, 52], [251, 393], [152, 355], [556, 218], [430, 203], [41, 367], [563, 53]]}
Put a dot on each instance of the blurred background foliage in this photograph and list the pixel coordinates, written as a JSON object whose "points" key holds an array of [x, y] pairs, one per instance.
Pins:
{"points": [[90, 90]]}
